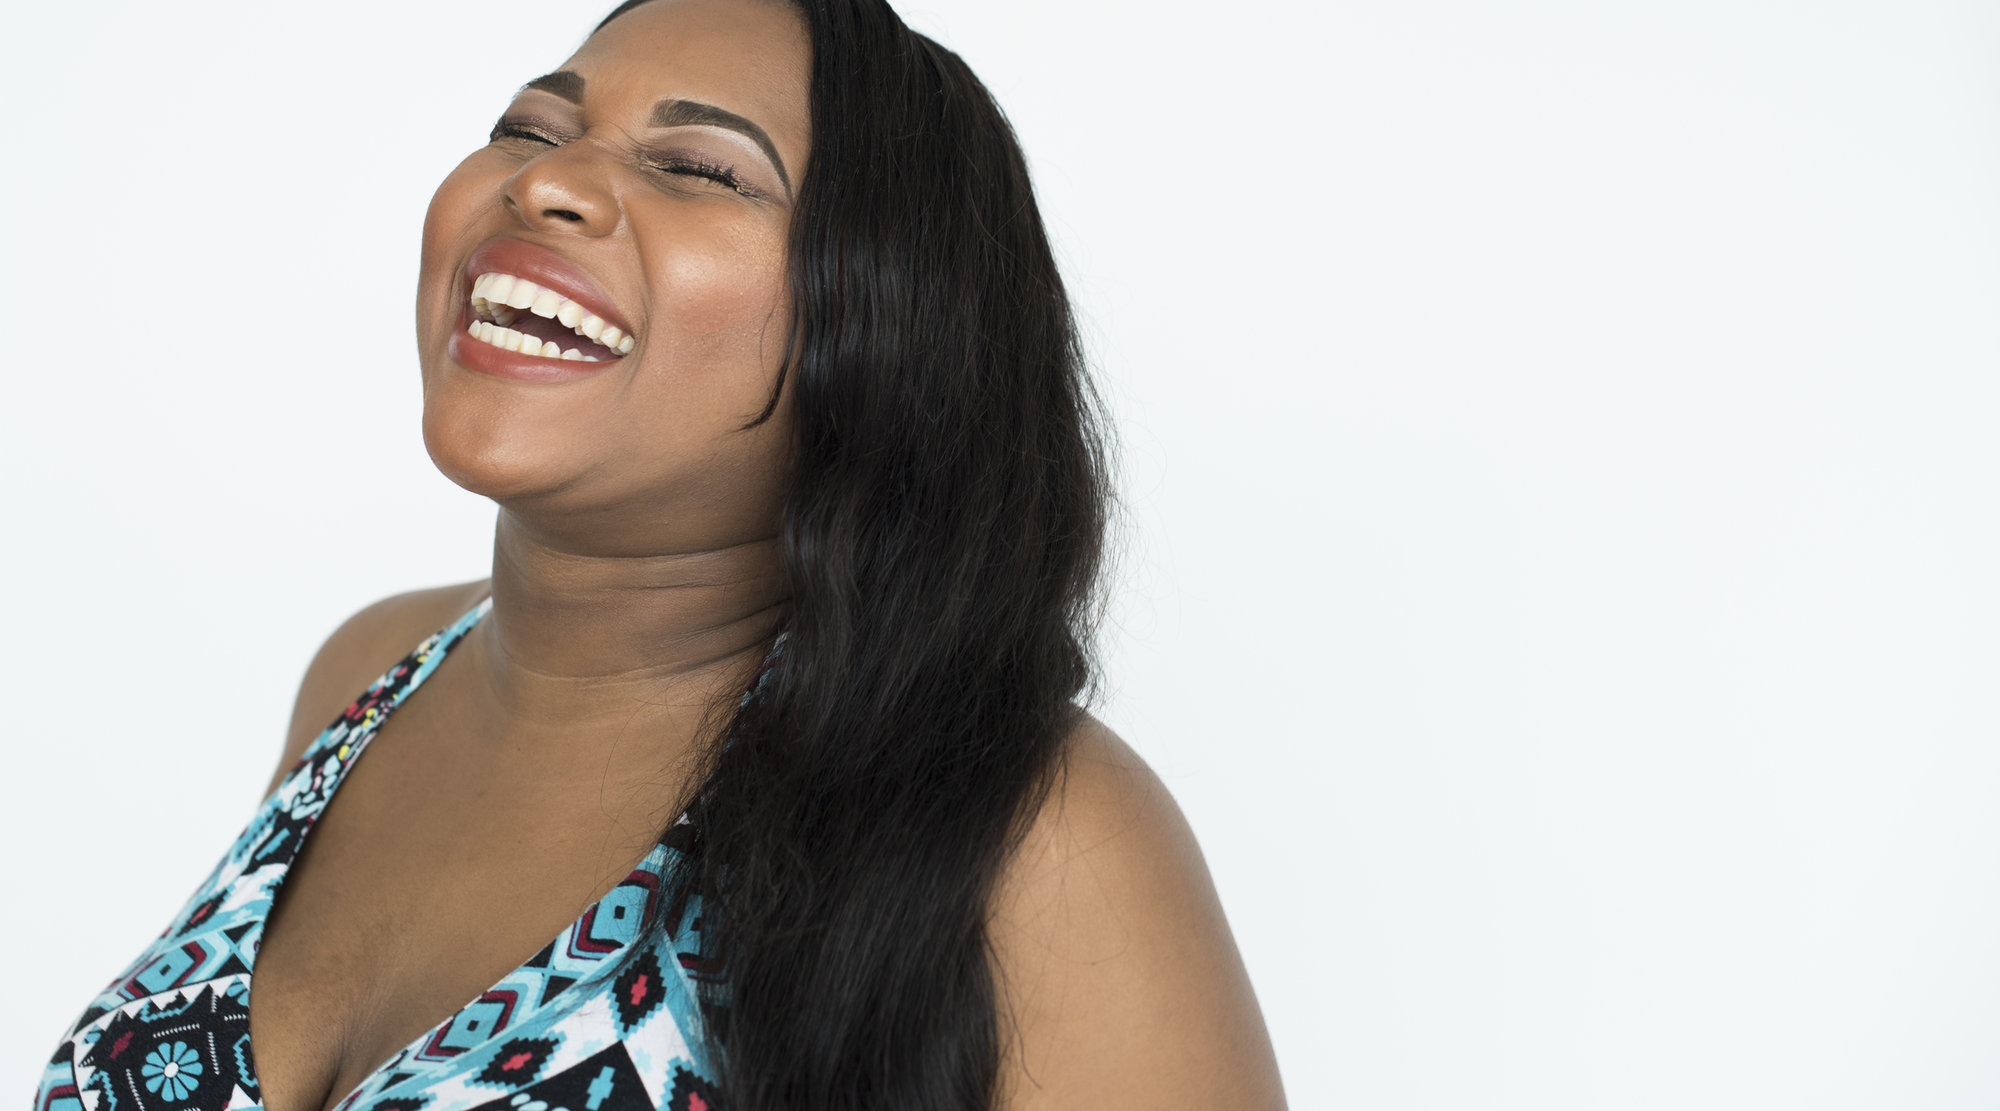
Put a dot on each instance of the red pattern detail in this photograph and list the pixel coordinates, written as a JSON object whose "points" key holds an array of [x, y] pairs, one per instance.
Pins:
{"points": [[696, 1103], [639, 989], [118, 1047], [699, 965], [516, 1061]]}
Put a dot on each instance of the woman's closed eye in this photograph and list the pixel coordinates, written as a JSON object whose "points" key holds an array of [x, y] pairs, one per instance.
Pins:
{"points": [[698, 166], [511, 129], [683, 165]]}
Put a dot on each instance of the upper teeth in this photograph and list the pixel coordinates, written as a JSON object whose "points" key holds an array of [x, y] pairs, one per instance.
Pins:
{"points": [[496, 298]]}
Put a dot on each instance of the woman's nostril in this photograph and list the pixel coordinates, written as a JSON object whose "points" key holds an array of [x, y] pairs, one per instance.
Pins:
{"points": [[564, 214]]}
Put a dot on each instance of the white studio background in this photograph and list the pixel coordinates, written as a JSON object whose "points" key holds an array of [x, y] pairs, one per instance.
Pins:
{"points": [[1563, 570]]}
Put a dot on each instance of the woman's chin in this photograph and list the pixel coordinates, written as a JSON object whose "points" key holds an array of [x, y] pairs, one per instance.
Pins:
{"points": [[492, 455]]}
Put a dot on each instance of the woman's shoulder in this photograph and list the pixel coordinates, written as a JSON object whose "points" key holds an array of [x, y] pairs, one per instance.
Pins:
{"points": [[364, 646], [1120, 983]]}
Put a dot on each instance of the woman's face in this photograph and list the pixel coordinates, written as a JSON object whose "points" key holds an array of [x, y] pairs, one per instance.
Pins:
{"points": [[646, 187]]}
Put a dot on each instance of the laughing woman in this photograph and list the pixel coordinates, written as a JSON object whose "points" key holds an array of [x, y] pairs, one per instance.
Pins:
{"points": [[753, 777]]}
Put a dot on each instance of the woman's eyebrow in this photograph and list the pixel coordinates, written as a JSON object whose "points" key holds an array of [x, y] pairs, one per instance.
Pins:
{"points": [[564, 83], [672, 112], [681, 113]]}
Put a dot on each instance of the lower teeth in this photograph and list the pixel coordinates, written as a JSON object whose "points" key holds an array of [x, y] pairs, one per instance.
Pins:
{"points": [[507, 339]]}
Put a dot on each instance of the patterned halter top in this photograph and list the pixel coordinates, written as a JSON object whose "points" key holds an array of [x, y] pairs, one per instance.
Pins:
{"points": [[599, 1020]]}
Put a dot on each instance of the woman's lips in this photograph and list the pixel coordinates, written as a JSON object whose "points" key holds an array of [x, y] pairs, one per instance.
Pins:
{"points": [[484, 357], [511, 282], [531, 314], [520, 315]]}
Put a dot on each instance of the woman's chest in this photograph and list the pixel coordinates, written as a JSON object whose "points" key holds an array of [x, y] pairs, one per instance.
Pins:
{"points": [[427, 883]]}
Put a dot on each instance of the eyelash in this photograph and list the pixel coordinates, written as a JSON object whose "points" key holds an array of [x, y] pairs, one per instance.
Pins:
{"points": [[681, 165]]}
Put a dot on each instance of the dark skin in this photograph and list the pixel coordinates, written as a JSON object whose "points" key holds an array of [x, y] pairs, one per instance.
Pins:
{"points": [[635, 585]]}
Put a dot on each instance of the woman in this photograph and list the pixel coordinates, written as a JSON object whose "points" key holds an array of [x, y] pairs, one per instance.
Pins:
{"points": [[746, 320]]}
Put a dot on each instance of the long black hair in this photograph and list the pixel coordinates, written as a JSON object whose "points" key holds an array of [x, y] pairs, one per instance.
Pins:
{"points": [[943, 536]]}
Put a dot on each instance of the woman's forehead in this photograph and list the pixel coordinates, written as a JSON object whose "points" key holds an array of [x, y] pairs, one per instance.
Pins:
{"points": [[752, 58], [739, 54]]}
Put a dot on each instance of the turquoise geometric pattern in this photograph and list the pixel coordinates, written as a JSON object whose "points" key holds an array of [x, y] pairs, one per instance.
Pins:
{"points": [[600, 1019]]}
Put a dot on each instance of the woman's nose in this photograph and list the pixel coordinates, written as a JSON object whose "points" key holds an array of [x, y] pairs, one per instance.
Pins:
{"points": [[565, 189]]}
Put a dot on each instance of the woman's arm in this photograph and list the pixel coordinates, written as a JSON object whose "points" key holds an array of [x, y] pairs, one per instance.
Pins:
{"points": [[1120, 985]]}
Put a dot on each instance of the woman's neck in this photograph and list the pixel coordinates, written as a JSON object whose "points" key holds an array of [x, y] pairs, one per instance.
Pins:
{"points": [[586, 643]]}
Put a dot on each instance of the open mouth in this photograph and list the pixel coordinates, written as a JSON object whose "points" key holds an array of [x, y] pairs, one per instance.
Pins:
{"points": [[515, 314]]}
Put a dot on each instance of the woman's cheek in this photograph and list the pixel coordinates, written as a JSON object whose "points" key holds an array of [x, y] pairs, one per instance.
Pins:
{"points": [[450, 214], [726, 309]]}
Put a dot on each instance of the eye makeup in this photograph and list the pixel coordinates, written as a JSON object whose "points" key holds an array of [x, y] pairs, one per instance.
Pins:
{"points": [[676, 112], [696, 164], [541, 131], [683, 162]]}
